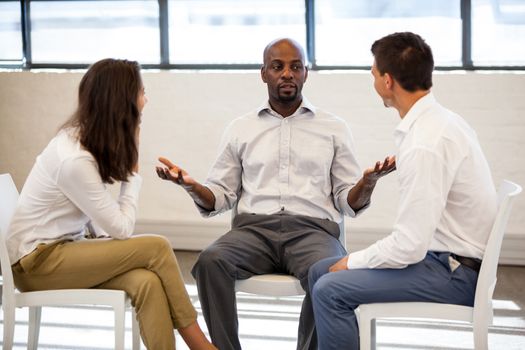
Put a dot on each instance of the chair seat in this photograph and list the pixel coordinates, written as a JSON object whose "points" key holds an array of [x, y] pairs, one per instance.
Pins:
{"points": [[270, 285], [368, 312], [71, 297]]}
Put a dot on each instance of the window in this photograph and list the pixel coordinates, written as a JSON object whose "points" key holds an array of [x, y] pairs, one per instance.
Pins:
{"points": [[498, 32], [231, 31], [222, 34], [10, 32], [86, 31], [345, 30]]}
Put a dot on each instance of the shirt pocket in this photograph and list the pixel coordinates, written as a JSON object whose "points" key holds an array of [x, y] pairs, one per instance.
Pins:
{"points": [[313, 157]]}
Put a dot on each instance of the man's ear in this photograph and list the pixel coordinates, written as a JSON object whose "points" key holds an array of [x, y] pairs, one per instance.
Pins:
{"points": [[263, 74], [389, 81], [305, 73]]}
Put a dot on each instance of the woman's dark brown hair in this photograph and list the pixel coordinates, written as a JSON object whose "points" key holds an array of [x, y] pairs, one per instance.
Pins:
{"points": [[107, 117]]}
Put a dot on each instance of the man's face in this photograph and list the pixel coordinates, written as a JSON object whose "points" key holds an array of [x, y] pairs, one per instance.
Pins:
{"points": [[284, 72]]}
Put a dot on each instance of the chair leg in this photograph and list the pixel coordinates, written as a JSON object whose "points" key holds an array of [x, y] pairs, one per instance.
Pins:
{"points": [[365, 333], [9, 327], [481, 333], [35, 316], [373, 334], [135, 330], [120, 323]]}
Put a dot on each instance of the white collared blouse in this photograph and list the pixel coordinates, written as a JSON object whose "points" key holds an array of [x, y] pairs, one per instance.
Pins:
{"points": [[63, 194]]}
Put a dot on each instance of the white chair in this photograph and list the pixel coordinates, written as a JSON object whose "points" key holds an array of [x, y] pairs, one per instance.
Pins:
{"points": [[277, 284], [480, 315], [11, 298]]}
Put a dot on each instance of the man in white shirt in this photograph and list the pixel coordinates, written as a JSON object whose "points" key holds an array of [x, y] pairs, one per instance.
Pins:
{"points": [[446, 210], [290, 172]]}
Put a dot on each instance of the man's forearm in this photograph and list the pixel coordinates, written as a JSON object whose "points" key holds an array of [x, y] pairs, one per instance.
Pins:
{"points": [[202, 196], [359, 195]]}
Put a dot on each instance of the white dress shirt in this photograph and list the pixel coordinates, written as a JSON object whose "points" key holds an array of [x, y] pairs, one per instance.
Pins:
{"points": [[303, 164], [63, 194], [447, 202]]}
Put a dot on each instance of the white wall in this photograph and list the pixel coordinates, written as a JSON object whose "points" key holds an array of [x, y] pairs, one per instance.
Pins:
{"points": [[187, 112]]}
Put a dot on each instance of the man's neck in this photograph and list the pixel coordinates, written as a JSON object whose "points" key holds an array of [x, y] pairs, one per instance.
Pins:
{"points": [[406, 100], [285, 109]]}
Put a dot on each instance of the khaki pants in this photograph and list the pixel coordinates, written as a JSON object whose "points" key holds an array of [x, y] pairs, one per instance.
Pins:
{"points": [[143, 266]]}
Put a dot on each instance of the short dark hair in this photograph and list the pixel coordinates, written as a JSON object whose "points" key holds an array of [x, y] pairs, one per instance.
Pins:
{"points": [[107, 116], [407, 58]]}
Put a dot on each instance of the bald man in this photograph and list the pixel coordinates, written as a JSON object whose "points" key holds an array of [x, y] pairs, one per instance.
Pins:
{"points": [[290, 171]]}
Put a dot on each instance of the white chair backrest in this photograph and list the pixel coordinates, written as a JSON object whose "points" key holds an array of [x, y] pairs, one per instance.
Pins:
{"points": [[487, 275], [8, 200]]}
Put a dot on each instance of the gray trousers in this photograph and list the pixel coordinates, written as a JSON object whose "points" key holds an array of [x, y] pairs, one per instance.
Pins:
{"points": [[260, 244]]}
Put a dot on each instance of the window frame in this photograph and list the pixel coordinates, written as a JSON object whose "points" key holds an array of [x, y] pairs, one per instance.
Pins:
{"points": [[27, 63]]}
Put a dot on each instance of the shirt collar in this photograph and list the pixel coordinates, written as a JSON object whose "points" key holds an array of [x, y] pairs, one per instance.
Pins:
{"points": [[304, 108], [413, 114]]}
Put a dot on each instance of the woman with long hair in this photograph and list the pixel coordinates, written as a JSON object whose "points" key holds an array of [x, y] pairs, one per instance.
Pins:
{"points": [[68, 230]]}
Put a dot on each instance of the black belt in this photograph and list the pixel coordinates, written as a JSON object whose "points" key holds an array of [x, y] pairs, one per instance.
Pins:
{"points": [[474, 264]]}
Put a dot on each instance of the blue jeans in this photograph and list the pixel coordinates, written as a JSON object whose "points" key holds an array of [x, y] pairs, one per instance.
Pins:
{"points": [[336, 295]]}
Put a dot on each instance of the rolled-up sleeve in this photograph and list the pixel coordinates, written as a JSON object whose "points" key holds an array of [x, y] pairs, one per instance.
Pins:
{"points": [[345, 172], [224, 178]]}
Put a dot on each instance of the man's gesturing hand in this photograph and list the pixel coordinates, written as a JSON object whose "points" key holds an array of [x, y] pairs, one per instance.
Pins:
{"points": [[172, 172]]}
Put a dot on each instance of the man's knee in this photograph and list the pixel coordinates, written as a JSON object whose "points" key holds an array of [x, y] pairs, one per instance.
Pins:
{"points": [[314, 273], [211, 259], [322, 290], [319, 269]]}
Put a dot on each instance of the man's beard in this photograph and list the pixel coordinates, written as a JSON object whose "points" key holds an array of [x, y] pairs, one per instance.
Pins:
{"points": [[288, 97]]}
